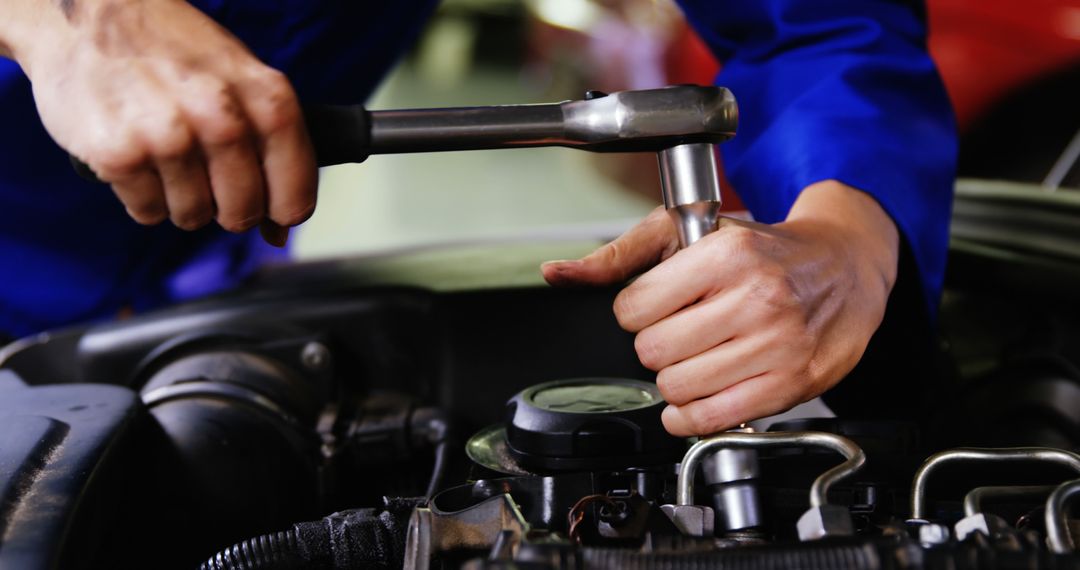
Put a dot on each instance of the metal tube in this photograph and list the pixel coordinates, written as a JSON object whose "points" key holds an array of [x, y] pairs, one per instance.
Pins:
{"points": [[733, 475], [984, 455], [467, 128], [854, 458], [627, 121], [690, 181], [974, 499], [1057, 517]]}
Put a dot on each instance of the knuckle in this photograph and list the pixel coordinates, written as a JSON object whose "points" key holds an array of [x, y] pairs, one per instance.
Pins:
{"points": [[227, 130], [625, 310], [220, 118], [738, 238], [670, 388], [775, 290], [706, 418], [612, 255], [649, 350], [118, 161], [277, 107], [176, 143]]}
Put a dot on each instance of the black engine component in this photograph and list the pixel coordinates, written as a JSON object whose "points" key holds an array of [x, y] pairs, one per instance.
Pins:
{"points": [[360, 538], [235, 417], [62, 451], [589, 424]]}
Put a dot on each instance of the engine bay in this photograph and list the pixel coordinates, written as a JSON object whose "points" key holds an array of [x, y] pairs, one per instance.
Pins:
{"points": [[323, 419]]}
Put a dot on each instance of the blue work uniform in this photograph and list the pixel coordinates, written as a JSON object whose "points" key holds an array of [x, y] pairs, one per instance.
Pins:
{"points": [[827, 89]]}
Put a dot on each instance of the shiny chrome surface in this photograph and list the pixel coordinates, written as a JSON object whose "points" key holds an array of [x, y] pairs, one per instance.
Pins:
{"points": [[625, 121], [974, 499], [690, 181], [736, 498], [739, 506], [1057, 517], [982, 455], [854, 458]]}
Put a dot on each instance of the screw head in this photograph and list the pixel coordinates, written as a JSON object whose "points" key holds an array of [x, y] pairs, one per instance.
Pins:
{"points": [[315, 356]]}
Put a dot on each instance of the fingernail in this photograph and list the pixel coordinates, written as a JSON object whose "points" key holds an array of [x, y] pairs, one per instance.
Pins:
{"points": [[274, 234]]}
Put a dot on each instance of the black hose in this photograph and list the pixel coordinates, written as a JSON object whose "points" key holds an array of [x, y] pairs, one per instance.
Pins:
{"points": [[833, 557], [360, 538], [278, 550]]}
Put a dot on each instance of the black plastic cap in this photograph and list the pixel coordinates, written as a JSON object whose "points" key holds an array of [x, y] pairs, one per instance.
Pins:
{"points": [[590, 424]]}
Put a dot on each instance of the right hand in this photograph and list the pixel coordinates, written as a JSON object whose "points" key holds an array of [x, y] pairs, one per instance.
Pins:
{"points": [[171, 110]]}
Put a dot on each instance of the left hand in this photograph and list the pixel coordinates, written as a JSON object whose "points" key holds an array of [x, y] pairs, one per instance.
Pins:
{"points": [[753, 319]]}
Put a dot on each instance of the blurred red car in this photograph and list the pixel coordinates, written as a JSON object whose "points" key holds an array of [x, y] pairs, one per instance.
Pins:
{"points": [[1012, 70]]}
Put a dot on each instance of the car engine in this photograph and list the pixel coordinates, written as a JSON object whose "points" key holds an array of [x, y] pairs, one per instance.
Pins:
{"points": [[404, 412]]}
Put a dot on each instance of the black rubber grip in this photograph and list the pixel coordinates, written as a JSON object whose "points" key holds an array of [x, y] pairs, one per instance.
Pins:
{"points": [[339, 135]]}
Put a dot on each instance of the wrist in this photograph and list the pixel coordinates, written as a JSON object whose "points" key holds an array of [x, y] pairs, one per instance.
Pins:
{"points": [[856, 223], [28, 27]]}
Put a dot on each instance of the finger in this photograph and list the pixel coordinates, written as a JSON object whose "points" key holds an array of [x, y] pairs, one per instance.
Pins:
{"points": [[695, 329], [237, 186], [718, 368], [643, 246], [288, 161], [274, 234], [699, 271], [746, 401], [143, 197], [235, 174], [122, 160], [187, 190]]}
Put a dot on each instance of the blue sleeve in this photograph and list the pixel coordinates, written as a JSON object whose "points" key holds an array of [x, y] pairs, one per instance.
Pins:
{"points": [[838, 89], [334, 51]]}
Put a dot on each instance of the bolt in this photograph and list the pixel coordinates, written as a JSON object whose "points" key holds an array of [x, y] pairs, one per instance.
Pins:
{"points": [[933, 534], [315, 356]]}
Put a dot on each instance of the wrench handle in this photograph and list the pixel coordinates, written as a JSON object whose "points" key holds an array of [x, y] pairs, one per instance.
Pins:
{"points": [[340, 134]]}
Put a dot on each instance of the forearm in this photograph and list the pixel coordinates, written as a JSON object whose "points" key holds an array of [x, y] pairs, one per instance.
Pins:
{"points": [[841, 90]]}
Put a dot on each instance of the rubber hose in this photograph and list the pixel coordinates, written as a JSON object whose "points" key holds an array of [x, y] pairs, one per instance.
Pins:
{"points": [[277, 551]]}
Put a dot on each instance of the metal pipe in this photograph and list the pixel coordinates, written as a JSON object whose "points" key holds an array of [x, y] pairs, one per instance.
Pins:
{"points": [[984, 455], [1057, 517], [690, 181], [467, 128], [854, 458], [974, 499], [732, 474]]}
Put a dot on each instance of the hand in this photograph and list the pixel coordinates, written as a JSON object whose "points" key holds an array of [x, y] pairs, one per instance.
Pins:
{"points": [[169, 108], [752, 319]]}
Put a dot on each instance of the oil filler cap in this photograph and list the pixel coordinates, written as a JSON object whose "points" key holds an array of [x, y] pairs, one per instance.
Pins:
{"points": [[589, 424]]}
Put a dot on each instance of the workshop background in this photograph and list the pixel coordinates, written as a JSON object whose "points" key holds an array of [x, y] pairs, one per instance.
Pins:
{"points": [[488, 52], [1013, 75]]}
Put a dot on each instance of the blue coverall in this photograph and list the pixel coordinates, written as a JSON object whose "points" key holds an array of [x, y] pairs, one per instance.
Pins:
{"points": [[838, 89]]}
